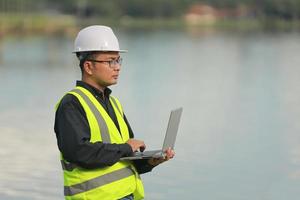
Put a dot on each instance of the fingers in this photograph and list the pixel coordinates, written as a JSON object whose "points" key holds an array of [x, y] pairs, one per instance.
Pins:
{"points": [[141, 146], [136, 144], [169, 154]]}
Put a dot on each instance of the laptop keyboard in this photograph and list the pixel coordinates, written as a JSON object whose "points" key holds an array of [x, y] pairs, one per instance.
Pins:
{"points": [[147, 153]]}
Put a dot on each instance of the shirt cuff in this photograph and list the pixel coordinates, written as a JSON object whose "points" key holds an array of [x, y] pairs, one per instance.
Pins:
{"points": [[125, 149]]}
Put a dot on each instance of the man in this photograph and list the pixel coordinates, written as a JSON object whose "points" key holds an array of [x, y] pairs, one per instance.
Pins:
{"points": [[92, 130]]}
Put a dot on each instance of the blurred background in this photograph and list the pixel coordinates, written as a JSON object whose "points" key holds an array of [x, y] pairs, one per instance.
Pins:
{"points": [[233, 65]]}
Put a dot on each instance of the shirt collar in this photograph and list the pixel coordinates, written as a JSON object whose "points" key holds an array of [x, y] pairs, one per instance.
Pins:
{"points": [[94, 90]]}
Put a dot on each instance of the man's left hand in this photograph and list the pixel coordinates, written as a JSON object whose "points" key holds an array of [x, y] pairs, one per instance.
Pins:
{"points": [[169, 154]]}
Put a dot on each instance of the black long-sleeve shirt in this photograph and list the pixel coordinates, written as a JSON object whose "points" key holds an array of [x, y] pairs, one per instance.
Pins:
{"points": [[73, 134]]}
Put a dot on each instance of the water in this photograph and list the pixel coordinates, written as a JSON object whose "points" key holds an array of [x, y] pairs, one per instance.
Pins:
{"points": [[238, 138]]}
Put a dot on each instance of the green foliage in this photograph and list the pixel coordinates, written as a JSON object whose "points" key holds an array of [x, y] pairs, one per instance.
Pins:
{"points": [[287, 9]]}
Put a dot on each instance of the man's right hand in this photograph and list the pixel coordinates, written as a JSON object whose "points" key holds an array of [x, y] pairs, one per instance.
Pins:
{"points": [[136, 145]]}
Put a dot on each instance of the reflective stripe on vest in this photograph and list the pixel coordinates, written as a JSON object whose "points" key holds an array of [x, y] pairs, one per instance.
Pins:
{"points": [[104, 129], [116, 105], [97, 182]]}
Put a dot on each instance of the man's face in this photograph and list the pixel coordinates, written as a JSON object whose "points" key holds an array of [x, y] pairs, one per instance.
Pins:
{"points": [[102, 72]]}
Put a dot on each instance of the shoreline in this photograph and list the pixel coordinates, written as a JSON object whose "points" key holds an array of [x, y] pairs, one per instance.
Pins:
{"points": [[68, 25]]}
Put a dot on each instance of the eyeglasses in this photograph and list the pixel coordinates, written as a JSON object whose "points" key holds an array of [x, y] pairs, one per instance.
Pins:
{"points": [[111, 63]]}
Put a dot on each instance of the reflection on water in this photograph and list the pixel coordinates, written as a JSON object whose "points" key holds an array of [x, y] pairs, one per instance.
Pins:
{"points": [[238, 137]]}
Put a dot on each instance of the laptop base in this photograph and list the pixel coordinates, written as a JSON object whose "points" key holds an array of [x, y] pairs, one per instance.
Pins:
{"points": [[145, 155]]}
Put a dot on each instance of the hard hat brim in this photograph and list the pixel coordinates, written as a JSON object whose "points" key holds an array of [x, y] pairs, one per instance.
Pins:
{"points": [[120, 51]]}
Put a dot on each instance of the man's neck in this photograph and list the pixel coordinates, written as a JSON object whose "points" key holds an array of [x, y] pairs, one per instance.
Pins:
{"points": [[95, 85]]}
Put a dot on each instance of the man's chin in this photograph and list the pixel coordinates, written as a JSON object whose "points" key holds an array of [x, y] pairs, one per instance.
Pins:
{"points": [[115, 82], [112, 83]]}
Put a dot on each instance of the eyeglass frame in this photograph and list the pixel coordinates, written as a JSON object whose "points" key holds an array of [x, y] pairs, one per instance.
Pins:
{"points": [[111, 63]]}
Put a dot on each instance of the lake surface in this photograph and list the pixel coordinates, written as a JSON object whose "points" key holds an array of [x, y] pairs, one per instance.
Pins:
{"points": [[239, 135]]}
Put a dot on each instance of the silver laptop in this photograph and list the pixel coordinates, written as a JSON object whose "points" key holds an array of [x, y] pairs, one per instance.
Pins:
{"points": [[169, 141]]}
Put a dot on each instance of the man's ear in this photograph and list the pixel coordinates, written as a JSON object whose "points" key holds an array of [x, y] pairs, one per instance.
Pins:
{"points": [[87, 67]]}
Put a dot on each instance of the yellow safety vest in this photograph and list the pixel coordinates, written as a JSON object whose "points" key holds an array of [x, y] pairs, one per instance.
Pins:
{"points": [[107, 183]]}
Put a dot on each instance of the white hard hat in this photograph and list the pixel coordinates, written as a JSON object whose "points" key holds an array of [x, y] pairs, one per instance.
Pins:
{"points": [[96, 38]]}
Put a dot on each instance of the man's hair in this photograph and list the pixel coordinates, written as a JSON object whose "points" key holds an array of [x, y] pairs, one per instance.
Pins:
{"points": [[84, 56]]}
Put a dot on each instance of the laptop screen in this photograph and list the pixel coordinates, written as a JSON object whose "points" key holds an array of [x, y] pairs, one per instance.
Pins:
{"points": [[172, 129]]}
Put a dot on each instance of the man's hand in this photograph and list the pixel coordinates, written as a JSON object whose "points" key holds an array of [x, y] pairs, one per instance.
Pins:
{"points": [[156, 161], [136, 145]]}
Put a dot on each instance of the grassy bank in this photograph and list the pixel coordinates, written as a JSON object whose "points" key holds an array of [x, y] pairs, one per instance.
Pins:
{"points": [[68, 25], [37, 23]]}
